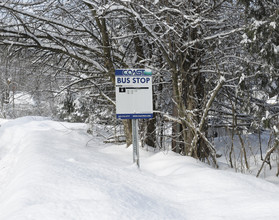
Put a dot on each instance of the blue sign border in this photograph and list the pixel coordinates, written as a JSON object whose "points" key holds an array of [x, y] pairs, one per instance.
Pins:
{"points": [[134, 116], [133, 72]]}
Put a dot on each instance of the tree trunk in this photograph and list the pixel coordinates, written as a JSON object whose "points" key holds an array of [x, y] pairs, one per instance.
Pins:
{"points": [[150, 135], [128, 131]]}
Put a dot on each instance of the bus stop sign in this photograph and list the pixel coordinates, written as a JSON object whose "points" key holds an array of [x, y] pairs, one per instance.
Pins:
{"points": [[133, 93]]}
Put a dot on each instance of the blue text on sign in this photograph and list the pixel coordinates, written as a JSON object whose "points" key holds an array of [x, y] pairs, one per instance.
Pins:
{"points": [[134, 80]]}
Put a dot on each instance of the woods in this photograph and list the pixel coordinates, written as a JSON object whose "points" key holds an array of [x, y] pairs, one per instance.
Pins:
{"points": [[215, 66]]}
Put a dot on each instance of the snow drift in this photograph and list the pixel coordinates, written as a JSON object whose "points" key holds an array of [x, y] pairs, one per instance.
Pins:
{"points": [[53, 170]]}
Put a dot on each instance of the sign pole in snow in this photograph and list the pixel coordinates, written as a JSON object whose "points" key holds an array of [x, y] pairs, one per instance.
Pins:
{"points": [[134, 99], [135, 141]]}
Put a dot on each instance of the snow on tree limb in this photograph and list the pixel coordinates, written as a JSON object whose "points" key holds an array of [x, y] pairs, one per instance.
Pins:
{"points": [[213, 95]]}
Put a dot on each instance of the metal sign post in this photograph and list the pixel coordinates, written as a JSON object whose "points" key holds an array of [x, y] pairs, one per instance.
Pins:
{"points": [[135, 141], [133, 89]]}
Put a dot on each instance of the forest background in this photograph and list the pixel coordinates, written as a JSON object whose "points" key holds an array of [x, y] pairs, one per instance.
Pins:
{"points": [[215, 69]]}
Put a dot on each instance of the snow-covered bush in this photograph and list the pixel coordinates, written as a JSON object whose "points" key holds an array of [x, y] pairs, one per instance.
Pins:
{"points": [[72, 107]]}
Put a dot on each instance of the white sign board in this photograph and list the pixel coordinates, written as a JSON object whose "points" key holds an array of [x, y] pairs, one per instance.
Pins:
{"points": [[133, 93]]}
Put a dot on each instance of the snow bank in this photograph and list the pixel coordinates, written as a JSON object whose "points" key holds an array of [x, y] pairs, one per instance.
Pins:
{"points": [[52, 170]]}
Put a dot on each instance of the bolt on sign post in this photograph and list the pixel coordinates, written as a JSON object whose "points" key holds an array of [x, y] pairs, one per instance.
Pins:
{"points": [[134, 99]]}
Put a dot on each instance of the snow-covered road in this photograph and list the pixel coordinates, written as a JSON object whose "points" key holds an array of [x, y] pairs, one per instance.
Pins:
{"points": [[55, 171]]}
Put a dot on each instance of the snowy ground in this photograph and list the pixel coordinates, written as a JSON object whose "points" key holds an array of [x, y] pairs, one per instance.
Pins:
{"points": [[55, 171]]}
